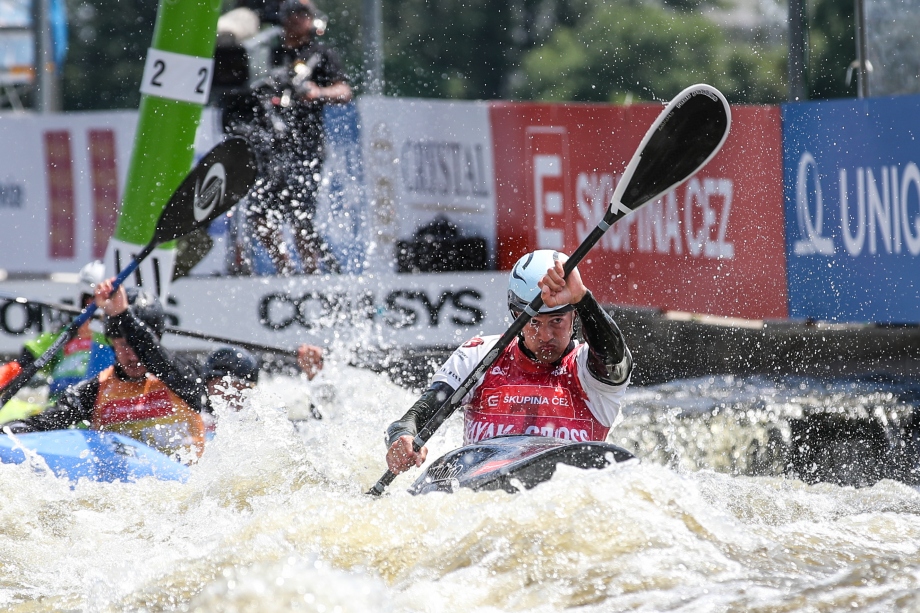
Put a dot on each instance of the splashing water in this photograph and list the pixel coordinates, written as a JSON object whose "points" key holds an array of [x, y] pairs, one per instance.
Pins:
{"points": [[274, 518]]}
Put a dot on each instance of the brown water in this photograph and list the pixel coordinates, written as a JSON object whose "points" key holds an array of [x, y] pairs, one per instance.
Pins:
{"points": [[274, 518]]}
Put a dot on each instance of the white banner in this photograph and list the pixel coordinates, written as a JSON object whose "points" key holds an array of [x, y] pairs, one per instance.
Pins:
{"points": [[423, 158], [62, 177], [371, 311], [60, 183]]}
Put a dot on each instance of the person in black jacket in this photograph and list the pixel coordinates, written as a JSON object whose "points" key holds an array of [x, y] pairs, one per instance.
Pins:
{"points": [[282, 117], [149, 394]]}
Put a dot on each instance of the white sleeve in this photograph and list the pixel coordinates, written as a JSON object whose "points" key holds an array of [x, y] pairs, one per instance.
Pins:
{"points": [[604, 399], [463, 361]]}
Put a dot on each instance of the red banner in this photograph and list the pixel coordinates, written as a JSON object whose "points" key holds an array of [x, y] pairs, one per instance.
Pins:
{"points": [[61, 202], [104, 165], [714, 245]]}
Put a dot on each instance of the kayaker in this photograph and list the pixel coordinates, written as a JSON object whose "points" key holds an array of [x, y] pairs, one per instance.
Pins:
{"points": [[148, 394], [229, 372], [545, 383], [84, 357]]}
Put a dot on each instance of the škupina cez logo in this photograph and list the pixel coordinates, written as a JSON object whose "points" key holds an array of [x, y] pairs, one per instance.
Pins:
{"points": [[214, 184]]}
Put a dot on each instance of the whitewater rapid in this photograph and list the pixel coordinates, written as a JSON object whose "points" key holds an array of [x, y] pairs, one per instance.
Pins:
{"points": [[274, 518]]}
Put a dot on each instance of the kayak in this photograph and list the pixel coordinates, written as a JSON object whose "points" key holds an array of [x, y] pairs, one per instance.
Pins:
{"points": [[513, 461], [89, 454]]}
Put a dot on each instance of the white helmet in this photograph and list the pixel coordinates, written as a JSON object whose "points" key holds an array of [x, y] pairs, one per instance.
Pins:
{"points": [[90, 276], [527, 271]]}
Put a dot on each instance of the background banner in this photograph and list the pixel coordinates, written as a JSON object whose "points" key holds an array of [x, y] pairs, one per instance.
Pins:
{"points": [[852, 193], [422, 159], [60, 187], [342, 311], [714, 245]]}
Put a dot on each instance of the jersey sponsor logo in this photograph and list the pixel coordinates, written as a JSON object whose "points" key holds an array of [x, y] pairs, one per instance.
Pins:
{"points": [[498, 370], [479, 430], [568, 434], [476, 430], [146, 406], [473, 342], [525, 398]]}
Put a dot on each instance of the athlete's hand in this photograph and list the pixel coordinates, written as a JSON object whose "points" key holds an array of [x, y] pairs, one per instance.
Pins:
{"points": [[310, 360], [309, 90], [558, 290], [117, 304], [401, 456]]}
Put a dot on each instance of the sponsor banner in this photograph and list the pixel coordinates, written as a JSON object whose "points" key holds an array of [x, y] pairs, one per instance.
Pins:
{"points": [[714, 245], [372, 311], [61, 185], [424, 158], [852, 209]]}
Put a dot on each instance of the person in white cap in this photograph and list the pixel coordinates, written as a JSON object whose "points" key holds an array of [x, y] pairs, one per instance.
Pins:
{"points": [[545, 383]]}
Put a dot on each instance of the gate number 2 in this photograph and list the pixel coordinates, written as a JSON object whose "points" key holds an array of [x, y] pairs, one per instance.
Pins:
{"points": [[176, 76]]}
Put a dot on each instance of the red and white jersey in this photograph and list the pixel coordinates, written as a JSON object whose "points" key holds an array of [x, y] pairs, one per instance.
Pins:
{"points": [[517, 395]]}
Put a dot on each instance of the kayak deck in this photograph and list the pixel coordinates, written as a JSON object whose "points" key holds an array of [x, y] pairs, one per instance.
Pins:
{"points": [[511, 462]]}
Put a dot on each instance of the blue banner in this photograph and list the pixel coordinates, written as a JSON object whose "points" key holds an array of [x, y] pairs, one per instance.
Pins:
{"points": [[852, 209]]}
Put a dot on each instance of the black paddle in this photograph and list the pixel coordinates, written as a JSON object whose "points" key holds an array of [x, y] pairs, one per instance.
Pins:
{"points": [[218, 181], [685, 136]]}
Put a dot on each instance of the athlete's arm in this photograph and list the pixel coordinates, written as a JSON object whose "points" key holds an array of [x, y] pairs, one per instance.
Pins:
{"points": [[75, 406], [420, 412], [181, 376], [609, 359], [401, 453]]}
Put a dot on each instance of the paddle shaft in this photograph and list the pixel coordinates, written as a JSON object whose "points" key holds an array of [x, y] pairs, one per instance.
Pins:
{"points": [[291, 353], [70, 331]]}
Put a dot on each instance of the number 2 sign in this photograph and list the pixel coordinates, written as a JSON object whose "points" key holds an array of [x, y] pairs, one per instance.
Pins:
{"points": [[176, 76]]}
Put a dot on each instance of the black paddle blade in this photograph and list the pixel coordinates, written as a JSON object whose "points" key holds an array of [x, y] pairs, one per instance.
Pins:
{"points": [[686, 135], [221, 179]]}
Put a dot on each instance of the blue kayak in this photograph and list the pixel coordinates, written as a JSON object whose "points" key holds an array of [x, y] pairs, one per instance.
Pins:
{"points": [[98, 456]]}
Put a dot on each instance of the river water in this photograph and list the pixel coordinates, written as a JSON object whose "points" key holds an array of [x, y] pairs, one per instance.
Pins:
{"points": [[274, 517]]}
